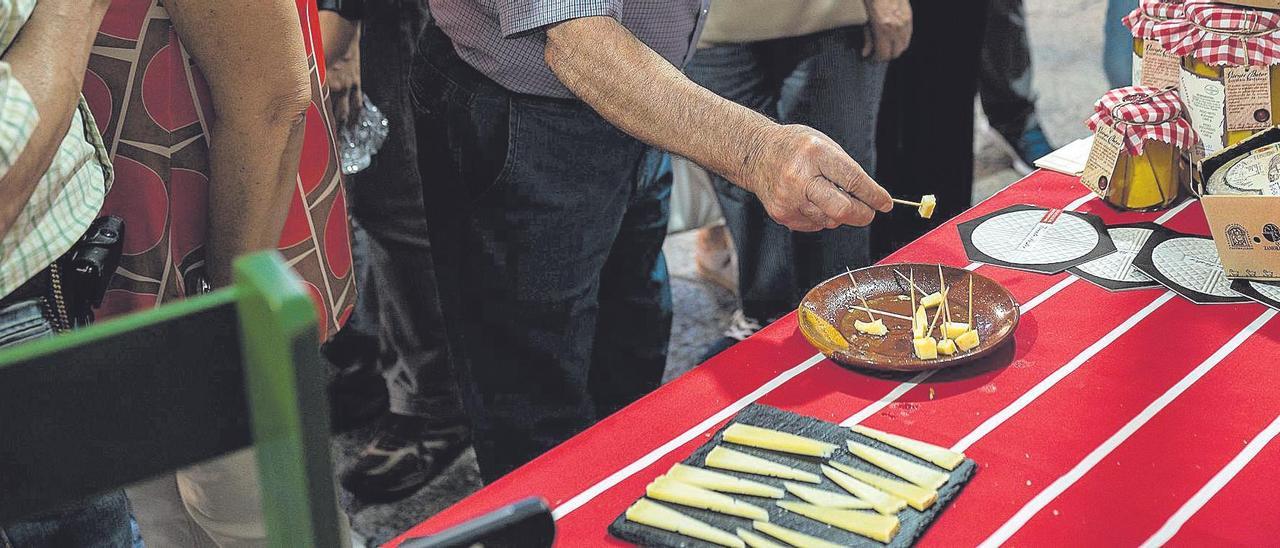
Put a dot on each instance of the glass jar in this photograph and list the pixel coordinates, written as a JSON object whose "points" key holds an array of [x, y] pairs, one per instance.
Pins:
{"points": [[1143, 130], [1214, 73], [1149, 181]]}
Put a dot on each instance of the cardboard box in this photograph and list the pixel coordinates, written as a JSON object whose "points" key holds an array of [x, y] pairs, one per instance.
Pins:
{"points": [[1246, 229]]}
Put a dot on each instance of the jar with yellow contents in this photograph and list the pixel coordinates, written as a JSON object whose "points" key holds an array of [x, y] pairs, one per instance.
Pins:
{"points": [[1162, 67], [1140, 160], [1230, 77]]}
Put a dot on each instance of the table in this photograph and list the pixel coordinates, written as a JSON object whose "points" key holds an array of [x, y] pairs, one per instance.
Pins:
{"points": [[1117, 418]]}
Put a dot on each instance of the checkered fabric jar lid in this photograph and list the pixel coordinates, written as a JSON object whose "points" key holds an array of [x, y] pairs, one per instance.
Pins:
{"points": [[1218, 34], [1142, 113], [1149, 13]]}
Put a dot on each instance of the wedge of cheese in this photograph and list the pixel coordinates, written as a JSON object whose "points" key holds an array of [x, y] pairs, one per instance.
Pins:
{"points": [[794, 538], [918, 497], [773, 440], [727, 459], [951, 330], [940, 456], [875, 328], [828, 335], [918, 474], [931, 300], [919, 323], [882, 502], [926, 348], [825, 498], [670, 490], [946, 347], [968, 341], [647, 512], [755, 540], [724, 483], [868, 524]]}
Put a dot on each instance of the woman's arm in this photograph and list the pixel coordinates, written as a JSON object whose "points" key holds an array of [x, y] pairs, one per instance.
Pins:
{"points": [[48, 61], [251, 52]]}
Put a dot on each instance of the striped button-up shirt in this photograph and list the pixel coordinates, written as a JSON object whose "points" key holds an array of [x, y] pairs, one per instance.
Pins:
{"points": [[69, 194], [504, 39]]}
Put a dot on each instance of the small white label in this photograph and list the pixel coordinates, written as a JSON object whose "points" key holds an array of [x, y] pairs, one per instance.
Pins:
{"points": [[1137, 69], [1206, 102], [1159, 67]]}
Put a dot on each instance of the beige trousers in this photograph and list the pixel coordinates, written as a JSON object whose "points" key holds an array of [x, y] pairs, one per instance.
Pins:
{"points": [[214, 504]]}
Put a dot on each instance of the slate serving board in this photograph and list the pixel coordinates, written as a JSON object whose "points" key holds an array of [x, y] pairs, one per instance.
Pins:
{"points": [[914, 522]]}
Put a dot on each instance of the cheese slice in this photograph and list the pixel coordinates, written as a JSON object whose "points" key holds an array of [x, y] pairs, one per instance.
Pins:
{"points": [[868, 524], [918, 497], [875, 328], [919, 323], [926, 348], [825, 498], [918, 474], [952, 330], [671, 490], [968, 341], [946, 347], [931, 300], [727, 459], [883, 502], [724, 483], [794, 538], [773, 440], [756, 541], [647, 512], [938, 455]]}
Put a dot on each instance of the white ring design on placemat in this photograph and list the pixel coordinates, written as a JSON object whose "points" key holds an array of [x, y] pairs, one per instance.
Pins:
{"points": [[1267, 290], [1118, 266], [1018, 237], [1192, 263]]}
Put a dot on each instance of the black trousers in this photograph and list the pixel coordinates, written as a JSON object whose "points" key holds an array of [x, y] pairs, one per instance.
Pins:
{"points": [[925, 140], [547, 224]]}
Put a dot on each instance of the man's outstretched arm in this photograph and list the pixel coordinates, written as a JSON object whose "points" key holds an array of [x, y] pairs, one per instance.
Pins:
{"points": [[795, 170]]}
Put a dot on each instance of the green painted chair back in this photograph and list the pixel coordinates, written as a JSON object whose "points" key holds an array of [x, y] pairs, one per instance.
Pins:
{"points": [[130, 398]]}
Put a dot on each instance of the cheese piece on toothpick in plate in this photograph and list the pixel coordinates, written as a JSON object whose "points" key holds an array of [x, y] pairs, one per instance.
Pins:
{"points": [[647, 512], [931, 300], [919, 323], [774, 440], [918, 474], [938, 455], [968, 340], [756, 540], [918, 497], [727, 459], [946, 347], [823, 497], [724, 483], [868, 524], [794, 538], [926, 348], [883, 502], [875, 328], [953, 330], [671, 490]]}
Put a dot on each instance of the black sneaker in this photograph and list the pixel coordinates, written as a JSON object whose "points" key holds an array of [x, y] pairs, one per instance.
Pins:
{"points": [[740, 327], [404, 455], [357, 395]]}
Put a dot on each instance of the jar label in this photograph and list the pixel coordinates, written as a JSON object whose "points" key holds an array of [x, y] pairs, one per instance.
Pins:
{"points": [[1205, 100], [1248, 98], [1159, 67], [1135, 69], [1103, 157]]}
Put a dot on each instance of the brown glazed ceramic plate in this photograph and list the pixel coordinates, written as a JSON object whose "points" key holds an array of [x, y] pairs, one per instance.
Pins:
{"points": [[829, 305]]}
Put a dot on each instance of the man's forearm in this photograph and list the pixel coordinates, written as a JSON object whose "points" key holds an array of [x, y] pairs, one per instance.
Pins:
{"points": [[49, 59], [638, 91]]}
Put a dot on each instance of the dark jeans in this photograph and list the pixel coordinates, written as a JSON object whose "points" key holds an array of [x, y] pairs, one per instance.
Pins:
{"points": [[1008, 99], [820, 80], [100, 521], [925, 140], [547, 225], [386, 199]]}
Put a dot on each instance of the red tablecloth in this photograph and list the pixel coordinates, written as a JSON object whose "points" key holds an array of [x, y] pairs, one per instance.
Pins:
{"points": [[1119, 416]]}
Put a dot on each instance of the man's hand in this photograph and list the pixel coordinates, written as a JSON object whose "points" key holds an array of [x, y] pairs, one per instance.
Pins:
{"points": [[888, 33], [807, 182], [342, 67]]}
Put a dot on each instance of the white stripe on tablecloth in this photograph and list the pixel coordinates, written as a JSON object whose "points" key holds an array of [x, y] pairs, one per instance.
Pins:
{"points": [[1060, 485], [1219, 480], [617, 477]]}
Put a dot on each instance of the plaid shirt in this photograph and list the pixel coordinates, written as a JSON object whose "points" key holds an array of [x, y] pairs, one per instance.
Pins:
{"points": [[69, 194], [504, 39]]}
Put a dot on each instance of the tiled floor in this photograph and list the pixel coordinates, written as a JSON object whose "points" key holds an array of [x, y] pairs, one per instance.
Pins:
{"points": [[1069, 79]]}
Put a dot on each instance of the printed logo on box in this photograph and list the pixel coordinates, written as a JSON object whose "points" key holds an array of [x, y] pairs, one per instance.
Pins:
{"points": [[1238, 237]]}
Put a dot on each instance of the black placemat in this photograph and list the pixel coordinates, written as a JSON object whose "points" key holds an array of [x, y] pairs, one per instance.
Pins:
{"points": [[914, 522]]}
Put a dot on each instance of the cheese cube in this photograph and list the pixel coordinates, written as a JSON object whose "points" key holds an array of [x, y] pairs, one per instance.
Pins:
{"points": [[968, 341], [927, 204], [946, 347], [875, 328], [931, 300], [926, 348], [951, 330], [919, 323]]}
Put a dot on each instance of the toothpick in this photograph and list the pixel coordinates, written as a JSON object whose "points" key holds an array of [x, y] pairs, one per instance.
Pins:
{"points": [[906, 202], [869, 310], [854, 281], [936, 313], [942, 287], [913, 284]]}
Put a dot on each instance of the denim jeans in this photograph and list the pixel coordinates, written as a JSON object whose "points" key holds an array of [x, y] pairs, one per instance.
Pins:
{"points": [[99, 521], [1117, 44], [820, 80], [547, 226], [1008, 98]]}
